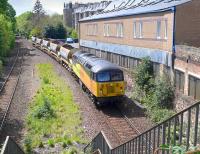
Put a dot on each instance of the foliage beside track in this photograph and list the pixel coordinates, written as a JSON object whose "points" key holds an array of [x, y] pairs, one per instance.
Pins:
{"points": [[7, 29], [155, 92], [53, 116]]}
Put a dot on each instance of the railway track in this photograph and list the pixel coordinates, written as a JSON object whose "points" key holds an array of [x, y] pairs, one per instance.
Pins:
{"points": [[8, 88], [121, 128]]}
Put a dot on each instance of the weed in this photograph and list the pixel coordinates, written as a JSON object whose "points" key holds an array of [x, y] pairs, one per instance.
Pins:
{"points": [[41, 144], [64, 144], [50, 142], [27, 144], [46, 80], [44, 111]]}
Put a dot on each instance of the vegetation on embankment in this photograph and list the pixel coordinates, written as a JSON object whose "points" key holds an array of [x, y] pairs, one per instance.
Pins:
{"points": [[7, 30], [53, 117], [155, 92]]}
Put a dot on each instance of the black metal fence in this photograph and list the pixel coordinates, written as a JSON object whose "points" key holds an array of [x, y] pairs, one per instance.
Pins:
{"points": [[11, 147], [181, 129]]}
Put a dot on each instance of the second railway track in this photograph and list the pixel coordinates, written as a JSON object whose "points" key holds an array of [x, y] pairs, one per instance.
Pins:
{"points": [[9, 86]]}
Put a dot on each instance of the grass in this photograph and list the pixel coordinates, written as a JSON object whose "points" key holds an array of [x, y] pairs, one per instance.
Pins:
{"points": [[53, 116]]}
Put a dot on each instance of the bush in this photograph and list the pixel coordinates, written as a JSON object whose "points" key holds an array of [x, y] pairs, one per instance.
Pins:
{"points": [[144, 75], [44, 111], [74, 34], [159, 115], [156, 94], [164, 92]]}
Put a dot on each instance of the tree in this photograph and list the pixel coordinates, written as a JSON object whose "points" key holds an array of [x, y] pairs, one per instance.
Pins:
{"points": [[24, 24], [3, 6], [6, 36], [10, 14], [60, 31], [38, 13], [49, 32], [36, 32]]}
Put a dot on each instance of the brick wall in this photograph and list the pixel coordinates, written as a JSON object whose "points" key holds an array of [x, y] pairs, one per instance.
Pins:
{"points": [[149, 39], [188, 23]]}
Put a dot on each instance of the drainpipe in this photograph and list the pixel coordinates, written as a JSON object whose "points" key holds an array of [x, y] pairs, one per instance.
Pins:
{"points": [[174, 30], [173, 44]]}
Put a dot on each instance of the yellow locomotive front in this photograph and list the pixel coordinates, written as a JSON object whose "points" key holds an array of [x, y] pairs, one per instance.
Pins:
{"points": [[110, 83]]}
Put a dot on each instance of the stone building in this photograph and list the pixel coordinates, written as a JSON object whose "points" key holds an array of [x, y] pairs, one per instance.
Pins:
{"points": [[67, 14]]}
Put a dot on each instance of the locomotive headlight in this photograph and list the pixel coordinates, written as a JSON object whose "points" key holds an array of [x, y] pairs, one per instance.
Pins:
{"points": [[101, 91]]}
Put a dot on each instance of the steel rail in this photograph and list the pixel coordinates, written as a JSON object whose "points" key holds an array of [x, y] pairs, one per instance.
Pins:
{"points": [[14, 90]]}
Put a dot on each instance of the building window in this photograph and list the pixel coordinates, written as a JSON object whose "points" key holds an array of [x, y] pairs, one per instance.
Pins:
{"points": [[135, 30], [159, 29], [92, 29], [140, 29], [119, 30], [179, 80], [166, 29], [194, 87], [106, 30]]}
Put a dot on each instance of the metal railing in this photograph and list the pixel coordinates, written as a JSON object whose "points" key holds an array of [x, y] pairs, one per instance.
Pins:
{"points": [[11, 147], [181, 129]]}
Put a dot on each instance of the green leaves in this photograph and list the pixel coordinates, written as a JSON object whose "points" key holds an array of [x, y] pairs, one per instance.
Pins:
{"points": [[156, 94], [175, 149], [6, 36], [144, 74]]}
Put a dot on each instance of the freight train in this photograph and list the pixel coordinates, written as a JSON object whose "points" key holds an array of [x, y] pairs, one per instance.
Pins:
{"points": [[101, 79]]}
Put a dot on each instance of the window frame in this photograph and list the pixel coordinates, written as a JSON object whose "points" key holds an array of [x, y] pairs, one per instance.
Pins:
{"points": [[140, 29], [158, 29], [135, 29]]}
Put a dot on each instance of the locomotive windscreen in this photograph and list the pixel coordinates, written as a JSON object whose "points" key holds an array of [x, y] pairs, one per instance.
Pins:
{"points": [[108, 76]]}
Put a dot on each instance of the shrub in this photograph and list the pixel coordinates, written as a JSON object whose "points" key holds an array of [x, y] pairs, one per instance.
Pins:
{"points": [[164, 92], [158, 115], [143, 75], [156, 94], [44, 111]]}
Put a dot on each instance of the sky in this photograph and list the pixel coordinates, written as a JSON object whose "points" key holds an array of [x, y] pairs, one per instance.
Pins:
{"points": [[50, 6]]}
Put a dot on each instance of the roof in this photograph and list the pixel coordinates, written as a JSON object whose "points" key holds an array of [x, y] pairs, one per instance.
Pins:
{"points": [[119, 8], [92, 7], [96, 64]]}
